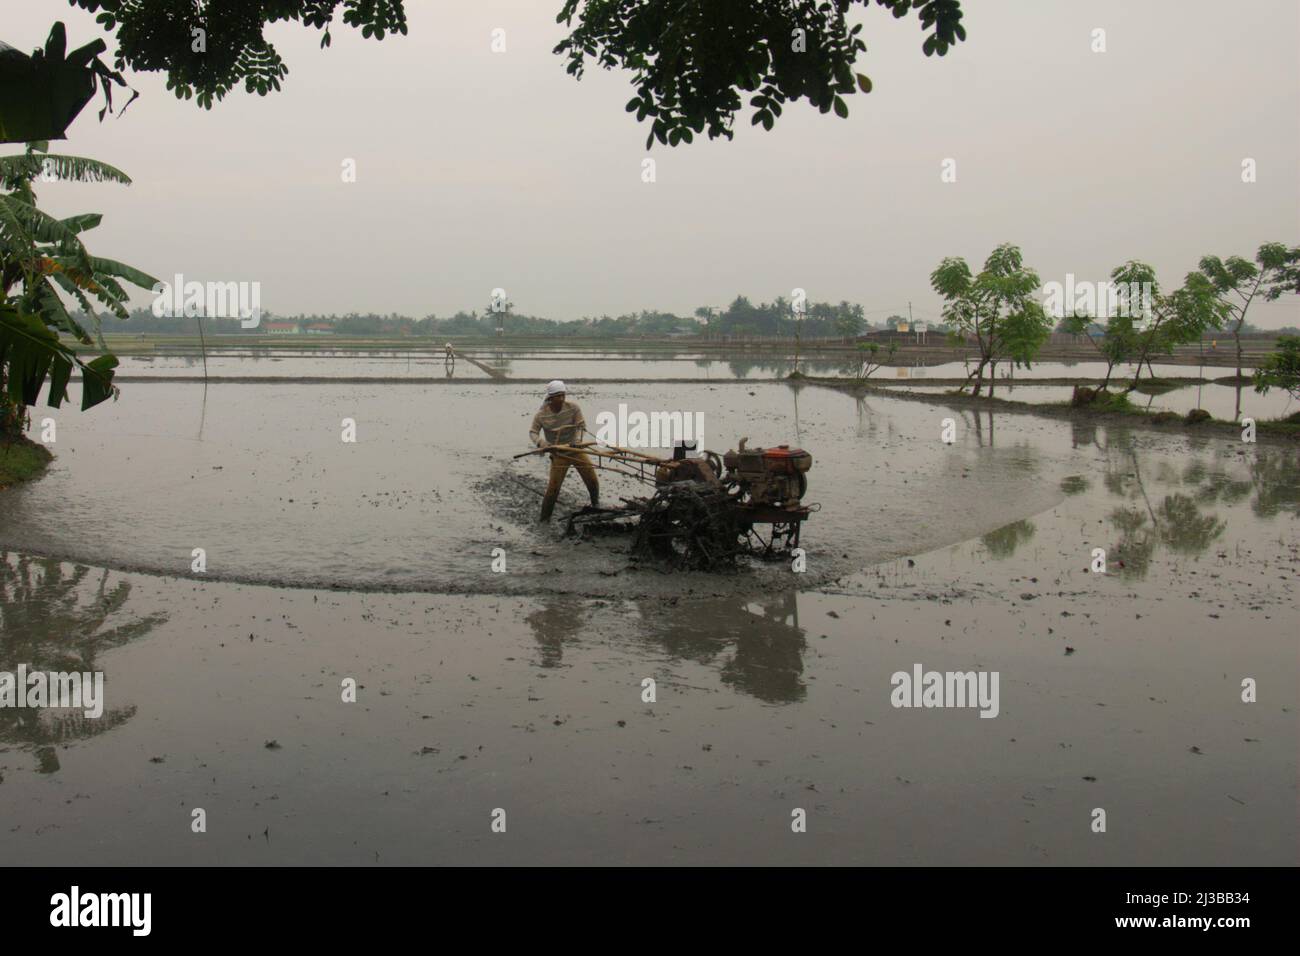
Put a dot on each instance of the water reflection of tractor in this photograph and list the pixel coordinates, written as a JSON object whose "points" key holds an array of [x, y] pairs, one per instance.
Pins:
{"points": [[706, 509]]}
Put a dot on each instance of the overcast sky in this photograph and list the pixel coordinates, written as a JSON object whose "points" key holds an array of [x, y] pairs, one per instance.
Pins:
{"points": [[478, 170]]}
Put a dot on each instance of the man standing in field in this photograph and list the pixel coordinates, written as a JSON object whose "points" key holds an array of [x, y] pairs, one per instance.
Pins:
{"points": [[559, 422]]}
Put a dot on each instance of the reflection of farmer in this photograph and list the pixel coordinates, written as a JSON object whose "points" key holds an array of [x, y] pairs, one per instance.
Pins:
{"points": [[562, 424]]}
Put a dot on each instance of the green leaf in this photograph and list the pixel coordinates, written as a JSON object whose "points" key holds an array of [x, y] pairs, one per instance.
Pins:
{"points": [[864, 83], [27, 351], [120, 270], [82, 222], [97, 380]]}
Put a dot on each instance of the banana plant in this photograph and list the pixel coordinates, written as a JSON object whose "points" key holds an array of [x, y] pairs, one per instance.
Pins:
{"points": [[41, 94], [42, 256]]}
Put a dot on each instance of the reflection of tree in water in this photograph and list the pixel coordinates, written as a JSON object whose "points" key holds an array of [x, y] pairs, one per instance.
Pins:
{"points": [[1177, 522], [1075, 484], [978, 427], [761, 654], [1003, 542], [744, 366], [741, 367], [868, 423], [1184, 529], [1131, 554], [1082, 432], [1215, 486], [1275, 474], [53, 620]]}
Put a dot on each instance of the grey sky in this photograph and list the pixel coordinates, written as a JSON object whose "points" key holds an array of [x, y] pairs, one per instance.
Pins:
{"points": [[477, 170]]}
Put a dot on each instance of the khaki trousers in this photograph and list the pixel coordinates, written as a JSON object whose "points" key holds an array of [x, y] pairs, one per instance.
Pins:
{"points": [[560, 464]]}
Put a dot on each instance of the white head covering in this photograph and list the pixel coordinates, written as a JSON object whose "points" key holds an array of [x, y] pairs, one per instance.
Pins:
{"points": [[555, 387]]}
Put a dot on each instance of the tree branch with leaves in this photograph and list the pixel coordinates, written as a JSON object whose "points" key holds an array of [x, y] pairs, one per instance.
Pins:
{"points": [[1238, 282], [996, 308]]}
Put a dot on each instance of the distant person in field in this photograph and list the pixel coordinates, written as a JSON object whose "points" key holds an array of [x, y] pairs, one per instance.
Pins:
{"points": [[560, 422]]}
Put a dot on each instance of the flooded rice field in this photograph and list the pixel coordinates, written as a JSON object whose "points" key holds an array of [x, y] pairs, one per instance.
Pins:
{"points": [[525, 690], [543, 364], [261, 480]]}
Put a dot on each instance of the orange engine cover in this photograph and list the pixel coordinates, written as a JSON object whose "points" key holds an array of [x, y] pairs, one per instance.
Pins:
{"points": [[784, 460]]}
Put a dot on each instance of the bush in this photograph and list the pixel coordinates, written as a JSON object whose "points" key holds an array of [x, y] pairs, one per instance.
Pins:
{"points": [[21, 460], [1281, 369], [1113, 402], [1083, 396], [1198, 415]]}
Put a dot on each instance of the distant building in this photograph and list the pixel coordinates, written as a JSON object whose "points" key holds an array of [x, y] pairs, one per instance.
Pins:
{"points": [[282, 328], [320, 328]]}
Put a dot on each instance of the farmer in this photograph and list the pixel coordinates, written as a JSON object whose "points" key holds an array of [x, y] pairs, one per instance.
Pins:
{"points": [[559, 422]]}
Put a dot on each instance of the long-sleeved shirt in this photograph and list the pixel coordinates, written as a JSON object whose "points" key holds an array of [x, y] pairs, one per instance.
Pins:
{"points": [[561, 428]]}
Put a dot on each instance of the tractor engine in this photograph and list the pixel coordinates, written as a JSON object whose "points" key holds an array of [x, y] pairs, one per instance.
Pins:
{"points": [[770, 476]]}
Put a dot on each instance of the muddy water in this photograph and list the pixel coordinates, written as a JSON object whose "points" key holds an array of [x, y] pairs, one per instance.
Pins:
{"points": [[1119, 691], [261, 480]]}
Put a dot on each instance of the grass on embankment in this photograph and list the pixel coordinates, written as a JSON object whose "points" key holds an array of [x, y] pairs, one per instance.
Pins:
{"points": [[1107, 407], [21, 460], [1118, 403]]}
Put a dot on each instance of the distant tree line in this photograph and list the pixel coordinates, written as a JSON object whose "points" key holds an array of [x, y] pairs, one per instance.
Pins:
{"points": [[740, 318]]}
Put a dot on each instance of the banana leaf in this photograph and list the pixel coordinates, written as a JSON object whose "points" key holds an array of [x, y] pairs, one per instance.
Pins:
{"points": [[31, 353], [41, 94]]}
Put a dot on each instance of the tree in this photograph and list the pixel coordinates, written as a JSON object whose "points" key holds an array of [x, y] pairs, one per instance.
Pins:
{"points": [[691, 60], [1281, 369], [1171, 320], [850, 320], [39, 257], [1114, 345], [996, 307], [871, 360], [1238, 281]]}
